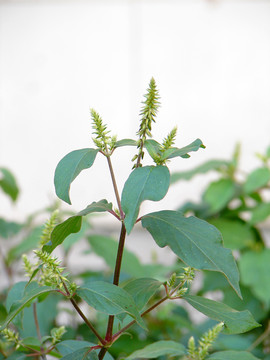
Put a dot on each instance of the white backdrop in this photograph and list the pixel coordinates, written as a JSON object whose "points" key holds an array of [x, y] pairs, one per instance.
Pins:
{"points": [[210, 59]]}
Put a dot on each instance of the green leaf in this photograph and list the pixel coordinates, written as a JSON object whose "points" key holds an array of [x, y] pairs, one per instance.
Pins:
{"points": [[9, 228], [182, 152], [81, 354], [29, 243], [144, 183], [26, 300], [17, 356], [219, 194], [255, 269], [110, 299], [260, 213], [232, 355], [62, 231], [202, 169], [257, 179], [159, 348], [153, 148], [236, 322], [236, 233], [106, 247], [142, 290], [67, 347], [69, 168], [197, 243], [73, 224], [8, 184], [100, 206], [73, 238], [125, 142]]}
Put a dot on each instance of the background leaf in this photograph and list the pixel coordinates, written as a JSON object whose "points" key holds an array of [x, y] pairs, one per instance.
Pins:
{"points": [[8, 184], [80, 354], [194, 241], [159, 348], [144, 183], [9, 228], [110, 299], [69, 346], [257, 179], [236, 322], [260, 213], [69, 168], [219, 194], [232, 355]]}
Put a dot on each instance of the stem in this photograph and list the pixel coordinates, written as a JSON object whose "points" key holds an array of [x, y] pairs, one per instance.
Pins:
{"points": [[38, 330], [260, 338], [79, 311], [115, 187], [102, 353], [116, 277]]}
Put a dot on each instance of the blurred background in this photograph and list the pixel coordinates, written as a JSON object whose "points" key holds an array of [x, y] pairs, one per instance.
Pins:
{"points": [[58, 59]]}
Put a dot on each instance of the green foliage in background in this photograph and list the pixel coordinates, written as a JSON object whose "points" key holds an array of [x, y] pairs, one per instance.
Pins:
{"points": [[134, 310]]}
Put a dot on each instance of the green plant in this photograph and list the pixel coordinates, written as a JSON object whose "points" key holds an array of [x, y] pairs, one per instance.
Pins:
{"points": [[125, 304]]}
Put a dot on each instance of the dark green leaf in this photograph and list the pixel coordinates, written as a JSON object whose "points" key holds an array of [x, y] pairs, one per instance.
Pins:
{"points": [[26, 300], [73, 224], [204, 168], [260, 213], [197, 243], [142, 290], [9, 228], [232, 355], [159, 348], [255, 269], [144, 183], [106, 247], [110, 299], [67, 347], [73, 238], [219, 194], [236, 234], [3, 313], [182, 152], [63, 230], [81, 354], [257, 179], [69, 168], [125, 142], [8, 184], [236, 322], [29, 243]]}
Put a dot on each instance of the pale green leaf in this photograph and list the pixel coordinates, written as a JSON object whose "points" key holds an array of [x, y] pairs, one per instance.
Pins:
{"points": [[110, 299], [194, 241], [144, 183], [159, 348], [100, 206], [232, 355], [201, 169], [125, 142], [260, 213], [219, 194], [255, 269], [69, 168], [182, 152], [142, 290], [9, 228], [235, 322], [257, 179]]}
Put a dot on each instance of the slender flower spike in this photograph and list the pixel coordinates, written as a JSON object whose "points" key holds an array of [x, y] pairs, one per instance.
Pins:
{"points": [[49, 226], [102, 140]]}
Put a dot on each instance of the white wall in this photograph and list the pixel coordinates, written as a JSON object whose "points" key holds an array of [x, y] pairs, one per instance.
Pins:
{"points": [[211, 61]]}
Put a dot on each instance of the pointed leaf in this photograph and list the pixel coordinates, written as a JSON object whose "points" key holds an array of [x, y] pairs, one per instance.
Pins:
{"points": [[8, 184], [257, 179], [201, 169], [142, 290], [236, 322], [196, 242], [232, 355], [153, 148], [125, 142], [69, 168], [26, 300], [62, 231], [159, 348], [81, 354], [100, 206], [69, 346], [182, 152], [110, 299], [144, 183]]}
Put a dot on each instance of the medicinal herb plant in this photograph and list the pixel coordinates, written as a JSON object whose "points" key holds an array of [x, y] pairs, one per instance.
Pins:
{"points": [[125, 304]]}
